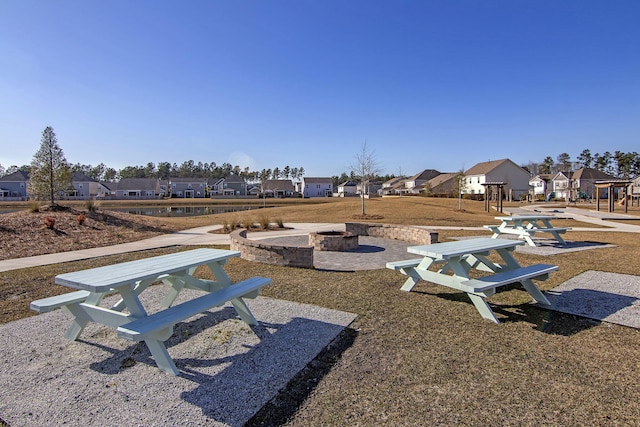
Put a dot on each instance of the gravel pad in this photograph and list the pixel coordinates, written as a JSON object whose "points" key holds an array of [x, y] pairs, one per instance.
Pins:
{"points": [[609, 297], [228, 370]]}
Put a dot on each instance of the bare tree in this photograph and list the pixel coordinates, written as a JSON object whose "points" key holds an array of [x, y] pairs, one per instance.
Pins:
{"points": [[364, 168]]}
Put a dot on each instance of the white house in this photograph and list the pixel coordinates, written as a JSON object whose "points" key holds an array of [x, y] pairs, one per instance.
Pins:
{"points": [[541, 185], [316, 187], [348, 188], [514, 177]]}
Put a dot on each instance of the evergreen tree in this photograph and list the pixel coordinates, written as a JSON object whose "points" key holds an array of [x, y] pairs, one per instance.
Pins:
{"points": [[50, 172]]}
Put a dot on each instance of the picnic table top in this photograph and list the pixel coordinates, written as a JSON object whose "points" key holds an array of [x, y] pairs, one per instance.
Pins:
{"points": [[523, 217], [102, 279], [458, 248]]}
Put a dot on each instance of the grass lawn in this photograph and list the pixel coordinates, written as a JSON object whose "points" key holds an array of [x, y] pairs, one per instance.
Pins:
{"points": [[427, 357]]}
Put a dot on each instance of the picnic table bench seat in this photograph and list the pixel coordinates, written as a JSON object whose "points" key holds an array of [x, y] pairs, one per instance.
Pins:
{"points": [[497, 229], [407, 263], [162, 322], [45, 305], [493, 281]]}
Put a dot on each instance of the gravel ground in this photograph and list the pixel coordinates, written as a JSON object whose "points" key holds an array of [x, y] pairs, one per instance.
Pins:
{"points": [[228, 370], [609, 297]]}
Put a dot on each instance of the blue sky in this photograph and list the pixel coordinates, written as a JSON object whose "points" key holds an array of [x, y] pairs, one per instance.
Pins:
{"points": [[427, 84]]}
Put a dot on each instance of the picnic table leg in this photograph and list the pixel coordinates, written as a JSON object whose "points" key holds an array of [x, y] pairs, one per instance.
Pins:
{"points": [[414, 277], [243, 311], [527, 237], [78, 325], [483, 308], [558, 238], [535, 293], [161, 356]]}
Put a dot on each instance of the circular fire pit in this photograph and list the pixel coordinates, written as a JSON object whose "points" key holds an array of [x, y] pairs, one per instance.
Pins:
{"points": [[333, 241]]}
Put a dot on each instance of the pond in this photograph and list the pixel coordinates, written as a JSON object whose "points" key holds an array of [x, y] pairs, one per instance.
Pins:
{"points": [[181, 211]]}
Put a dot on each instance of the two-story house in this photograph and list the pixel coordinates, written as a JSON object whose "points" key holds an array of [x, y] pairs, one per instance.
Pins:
{"points": [[443, 185], [514, 177], [188, 188], [136, 188], [233, 185], [584, 180], [541, 186], [316, 187], [412, 185], [14, 186], [85, 187], [278, 188], [347, 189]]}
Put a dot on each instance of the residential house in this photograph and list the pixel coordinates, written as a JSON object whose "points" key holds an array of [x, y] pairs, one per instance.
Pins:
{"points": [[316, 187], [393, 186], [347, 189], [412, 185], [583, 182], [136, 188], [514, 177], [278, 188], [541, 186], [188, 188], [215, 186], [561, 185], [369, 188], [85, 187], [14, 186], [443, 185], [233, 185]]}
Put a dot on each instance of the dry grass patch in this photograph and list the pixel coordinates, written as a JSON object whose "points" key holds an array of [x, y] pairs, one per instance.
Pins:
{"points": [[427, 357]]}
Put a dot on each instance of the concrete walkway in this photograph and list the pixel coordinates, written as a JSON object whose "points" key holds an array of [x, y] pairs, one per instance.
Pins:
{"points": [[202, 235]]}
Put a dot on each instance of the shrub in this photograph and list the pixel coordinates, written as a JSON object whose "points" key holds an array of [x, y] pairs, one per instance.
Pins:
{"points": [[280, 222], [49, 222], [34, 205], [91, 205], [248, 223], [264, 222], [81, 218]]}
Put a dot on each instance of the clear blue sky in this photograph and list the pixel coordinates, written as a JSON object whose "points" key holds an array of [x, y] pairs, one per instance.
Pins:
{"points": [[427, 84]]}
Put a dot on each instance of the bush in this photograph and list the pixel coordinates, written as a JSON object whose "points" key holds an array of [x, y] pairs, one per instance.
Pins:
{"points": [[264, 222], [280, 222], [34, 205], [91, 205]]}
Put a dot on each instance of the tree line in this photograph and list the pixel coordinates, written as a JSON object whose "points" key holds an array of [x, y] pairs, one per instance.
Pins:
{"points": [[619, 164]]}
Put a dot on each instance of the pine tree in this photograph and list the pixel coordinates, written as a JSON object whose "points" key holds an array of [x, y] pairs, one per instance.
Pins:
{"points": [[50, 171]]}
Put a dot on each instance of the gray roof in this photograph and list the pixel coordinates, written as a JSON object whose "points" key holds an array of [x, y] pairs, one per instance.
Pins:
{"points": [[279, 184], [17, 176]]}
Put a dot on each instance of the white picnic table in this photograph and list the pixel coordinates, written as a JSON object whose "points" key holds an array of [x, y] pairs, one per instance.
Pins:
{"points": [[130, 279], [450, 264], [526, 226]]}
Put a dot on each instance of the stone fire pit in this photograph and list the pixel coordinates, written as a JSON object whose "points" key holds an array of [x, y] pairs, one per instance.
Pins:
{"points": [[333, 241]]}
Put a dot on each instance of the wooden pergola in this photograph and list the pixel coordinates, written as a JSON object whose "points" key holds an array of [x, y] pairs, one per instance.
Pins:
{"points": [[499, 193], [611, 185]]}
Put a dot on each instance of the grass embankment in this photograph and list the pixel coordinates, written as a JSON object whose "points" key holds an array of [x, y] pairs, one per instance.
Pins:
{"points": [[427, 357]]}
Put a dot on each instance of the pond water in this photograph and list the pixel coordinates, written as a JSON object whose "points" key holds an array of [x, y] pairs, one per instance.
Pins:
{"points": [[180, 211]]}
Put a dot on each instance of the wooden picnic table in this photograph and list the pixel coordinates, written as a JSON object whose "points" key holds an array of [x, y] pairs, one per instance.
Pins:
{"points": [[450, 263], [526, 226], [130, 279]]}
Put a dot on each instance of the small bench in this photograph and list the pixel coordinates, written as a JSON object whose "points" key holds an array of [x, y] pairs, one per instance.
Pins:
{"points": [[148, 327], [483, 284], [408, 263], [45, 305]]}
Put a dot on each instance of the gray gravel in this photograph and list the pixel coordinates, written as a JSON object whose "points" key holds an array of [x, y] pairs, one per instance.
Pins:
{"points": [[228, 370], [609, 297]]}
